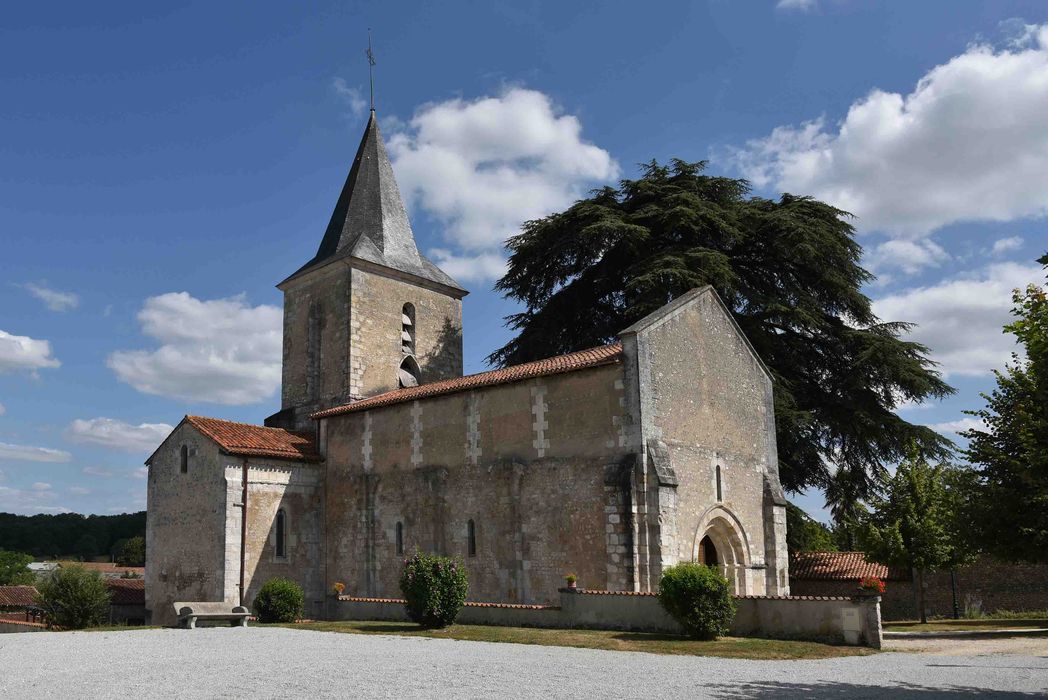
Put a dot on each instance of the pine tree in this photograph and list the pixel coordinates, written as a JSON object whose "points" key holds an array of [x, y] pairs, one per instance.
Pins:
{"points": [[789, 271]]}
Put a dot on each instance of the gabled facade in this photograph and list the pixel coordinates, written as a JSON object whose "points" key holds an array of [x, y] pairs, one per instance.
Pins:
{"points": [[612, 463]]}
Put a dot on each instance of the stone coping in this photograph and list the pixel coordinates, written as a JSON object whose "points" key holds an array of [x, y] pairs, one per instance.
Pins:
{"points": [[584, 591], [468, 604]]}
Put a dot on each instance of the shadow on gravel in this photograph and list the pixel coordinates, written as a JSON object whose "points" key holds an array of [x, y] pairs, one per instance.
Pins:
{"points": [[853, 690]]}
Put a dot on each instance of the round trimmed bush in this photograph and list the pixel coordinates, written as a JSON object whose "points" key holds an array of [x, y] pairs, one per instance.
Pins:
{"points": [[74, 598], [279, 600], [698, 598], [435, 589]]}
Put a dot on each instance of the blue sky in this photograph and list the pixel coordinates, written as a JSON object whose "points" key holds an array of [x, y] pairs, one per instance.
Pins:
{"points": [[162, 169]]}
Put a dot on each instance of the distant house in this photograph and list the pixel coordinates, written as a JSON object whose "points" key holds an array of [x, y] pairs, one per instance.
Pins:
{"points": [[42, 568], [19, 603], [128, 604], [107, 569], [984, 586]]}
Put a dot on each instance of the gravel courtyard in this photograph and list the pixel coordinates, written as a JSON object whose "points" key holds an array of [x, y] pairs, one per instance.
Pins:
{"points": [[278, 663]]}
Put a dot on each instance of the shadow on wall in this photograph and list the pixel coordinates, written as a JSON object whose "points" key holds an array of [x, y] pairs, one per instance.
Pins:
{"points": [[445, 360], [829, 689]]}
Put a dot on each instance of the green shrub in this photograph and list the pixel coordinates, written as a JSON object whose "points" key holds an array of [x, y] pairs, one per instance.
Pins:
{"points": [[435, 589], [698, 598], [74, 598], [279, 600]]}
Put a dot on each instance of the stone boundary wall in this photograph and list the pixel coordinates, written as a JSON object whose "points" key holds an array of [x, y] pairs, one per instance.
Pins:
{"points": [[835, 620], [14, 626]]}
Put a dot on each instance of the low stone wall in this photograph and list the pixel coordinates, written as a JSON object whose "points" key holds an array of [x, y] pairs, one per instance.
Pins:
{"points": [[853, 621], [15, 626]]}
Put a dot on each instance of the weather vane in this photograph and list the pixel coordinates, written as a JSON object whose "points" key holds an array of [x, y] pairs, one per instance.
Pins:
{"points": [[371, 69]]}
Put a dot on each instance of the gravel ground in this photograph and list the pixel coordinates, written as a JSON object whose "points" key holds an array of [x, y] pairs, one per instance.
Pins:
{"points": [[278, 663]]}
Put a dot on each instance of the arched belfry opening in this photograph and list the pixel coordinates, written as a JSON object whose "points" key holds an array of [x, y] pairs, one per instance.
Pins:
{"points": [[408, 374], [721, 542]]}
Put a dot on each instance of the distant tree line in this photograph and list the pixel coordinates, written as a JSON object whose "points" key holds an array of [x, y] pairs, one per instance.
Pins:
{"points": [[71, 535]]}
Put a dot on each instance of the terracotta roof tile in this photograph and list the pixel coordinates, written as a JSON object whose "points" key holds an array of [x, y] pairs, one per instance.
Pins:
{"points": [[840, 566], [127, 591], [105, 568], [17, 596], [257, 441], [594, 357]]}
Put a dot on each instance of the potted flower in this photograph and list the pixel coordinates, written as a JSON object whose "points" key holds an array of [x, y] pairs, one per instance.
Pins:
{"points": [[339, 587], [572, 581], [871, 585]]}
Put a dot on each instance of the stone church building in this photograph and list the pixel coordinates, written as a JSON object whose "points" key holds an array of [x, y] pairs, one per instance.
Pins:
{"points": [[611, 463]]}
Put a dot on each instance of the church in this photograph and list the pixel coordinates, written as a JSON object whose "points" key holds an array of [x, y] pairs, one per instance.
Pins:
{"points": [[610, 463]]}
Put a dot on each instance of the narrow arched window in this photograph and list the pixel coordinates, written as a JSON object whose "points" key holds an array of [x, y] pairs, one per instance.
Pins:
{"points": [[407, 329], [720, 489], [281, 534], [471, 539], [400, 538], [183, 464]]}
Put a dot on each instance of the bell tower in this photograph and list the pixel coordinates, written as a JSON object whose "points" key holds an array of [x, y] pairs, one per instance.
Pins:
{"points": [[369, 313]]}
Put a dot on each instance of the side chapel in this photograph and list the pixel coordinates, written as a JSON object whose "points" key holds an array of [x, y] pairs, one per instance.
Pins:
{"points": [[611, 463]]}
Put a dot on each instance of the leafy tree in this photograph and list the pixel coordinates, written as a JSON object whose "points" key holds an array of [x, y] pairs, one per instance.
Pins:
{"points": [[14, 569], [805, 534], [1011, 454], [55, 536], [133, 552], [788, 270], [73, 598], [912, 526]]}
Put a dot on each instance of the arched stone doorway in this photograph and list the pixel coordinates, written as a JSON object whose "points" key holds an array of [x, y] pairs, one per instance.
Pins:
{"points": [[721, 541]]}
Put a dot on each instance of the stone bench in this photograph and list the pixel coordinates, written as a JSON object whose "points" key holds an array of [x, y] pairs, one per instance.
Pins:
{"points": [[189, 613]]}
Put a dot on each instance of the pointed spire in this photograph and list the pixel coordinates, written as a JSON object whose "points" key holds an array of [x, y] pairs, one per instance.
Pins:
{"points": [[369, 221]]}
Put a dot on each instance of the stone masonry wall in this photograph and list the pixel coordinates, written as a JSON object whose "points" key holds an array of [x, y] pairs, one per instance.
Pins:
{"points": [[527, 462], [184, 530]]}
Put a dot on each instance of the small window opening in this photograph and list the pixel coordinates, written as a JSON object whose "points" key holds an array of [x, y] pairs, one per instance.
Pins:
{"points": [[400, 538], [408, 373], [471, 539], [720, 489], [407, 329], [281, 534], [184, 460]]}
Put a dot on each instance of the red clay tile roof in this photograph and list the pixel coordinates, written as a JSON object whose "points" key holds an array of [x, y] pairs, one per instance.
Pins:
{"points": [[257, 441], [17, 596], [583, 359], [840, 566], [127, 591]]}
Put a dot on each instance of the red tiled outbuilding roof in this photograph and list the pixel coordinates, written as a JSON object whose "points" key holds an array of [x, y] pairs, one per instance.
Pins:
{"points": [[841, 566], [583, 359], [249, 440], [17, 596], [127, 591], [106, 568]]}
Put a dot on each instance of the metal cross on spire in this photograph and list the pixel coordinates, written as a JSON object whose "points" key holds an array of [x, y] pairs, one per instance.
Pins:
{"points": [[371, 70]]}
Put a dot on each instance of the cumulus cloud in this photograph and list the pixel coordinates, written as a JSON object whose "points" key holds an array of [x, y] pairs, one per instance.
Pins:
{"points": [[53, 299], [98, 471], [19, 352], [961, 319], [351, 95], [79, 491], [27, 453], [118, 435], [909, 256], [3, 409], [140, 473], [221, 350], [799, 5], [959, 425], [1006, 245], [485, 166], [41, 486], [29, 501], [968, 143]]}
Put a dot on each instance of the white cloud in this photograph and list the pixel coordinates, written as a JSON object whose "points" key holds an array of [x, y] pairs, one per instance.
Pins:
{"points": [[968, 143], [483, 167], [32, 454], [29, 501], [961, 319], [909, 256], [54, 299], [98, 471], [118, 435], [470, 268], [221, 350], [351, 95], [1007, 245], [19, 352], [41, 486], [79, 490], [959, 425], [799, 5], [3, 409], [140, 473]]}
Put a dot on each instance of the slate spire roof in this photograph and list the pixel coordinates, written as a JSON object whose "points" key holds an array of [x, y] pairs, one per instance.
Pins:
{"points": [[370, 222]]}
